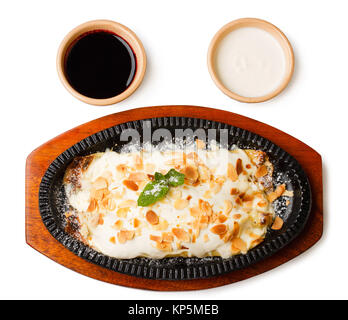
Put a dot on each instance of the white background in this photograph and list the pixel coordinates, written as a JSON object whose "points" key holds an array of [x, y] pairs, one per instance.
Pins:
{"points": [[35, 107]]}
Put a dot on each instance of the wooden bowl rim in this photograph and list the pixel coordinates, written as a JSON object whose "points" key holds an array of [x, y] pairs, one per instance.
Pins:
{"points": [[270, 28], [124, 32]]}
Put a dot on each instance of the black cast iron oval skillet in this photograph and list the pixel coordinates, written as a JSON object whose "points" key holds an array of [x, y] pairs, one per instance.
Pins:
{"points": [[52, 203]]}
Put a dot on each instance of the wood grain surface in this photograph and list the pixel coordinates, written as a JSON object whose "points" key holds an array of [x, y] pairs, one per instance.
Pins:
{"points": [[38, 237]]}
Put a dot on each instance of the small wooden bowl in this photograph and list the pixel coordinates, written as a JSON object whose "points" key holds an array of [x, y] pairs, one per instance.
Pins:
{"points": [[256, 23], [114, 27]]}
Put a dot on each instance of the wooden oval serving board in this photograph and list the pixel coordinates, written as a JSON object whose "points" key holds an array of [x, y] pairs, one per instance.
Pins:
{"points": [[38, 237]]}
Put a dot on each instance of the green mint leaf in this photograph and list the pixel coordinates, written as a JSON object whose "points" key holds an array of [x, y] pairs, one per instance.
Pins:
{"points": [[159, 176], [158, 188], [175, 178], [153, 191]]}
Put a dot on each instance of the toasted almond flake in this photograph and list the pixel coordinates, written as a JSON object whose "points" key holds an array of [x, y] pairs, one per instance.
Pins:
{"points": [[167, 237], [175, 193], [99, 194], [161, 226], [262, 204], [219, 229], [232, 172], [227, 206], [121, 237], [118, 194], [200, 144], [137, 176], [204, 219], [181, 234], [204, 173], [122, 212], [287, 202], [234, 249], [206, 238], [181, 204], [276, 193], [138, 161], [92, 205], [150, 167], [191, 172], [288, 193], [261, 171], [256, 242], [129, 234], [122, 168], [278, 223], [239, 201], [239, 166], [128, 203], [100, 183], [136, 223], [234, 191], [205, 207], [118, 224], [155, 238], [112, 240], [101, 219], [188, 198], [236, 229], [194, 237], [207, 194], [131, 185], [195, 211], [222, 218], [253, 235], [164, 246], [152, 217], [239, 244], [237, 216], [248, 197]]}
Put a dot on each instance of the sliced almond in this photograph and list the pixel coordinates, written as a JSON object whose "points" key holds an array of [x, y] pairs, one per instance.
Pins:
{"points": [[175, 193], [234, 191], [262, 204], [261, 171], [118, 224], [234, 249], [239, 166], [205, 207], [150, 167], [164, 246], [118, 194], [236, 229], [100, 193], [101, 219], [219, 229], [138, 161], [131, 185], [227, 206], [200, 144], [278, 223], [92, 205], [237, 216], [207, 194], [138, 176], [204, 173], [122, 168], [125, 235], [167, 237], [152, 217], [122, 212], [239, 244], [181, 234], [112, 240], [191, 172], [128, 203], [155, 238], [232, 172], [161, 226], [181, 204], [222, 218], [276, 193], [100, 183], [195, 211], [136, 223]]}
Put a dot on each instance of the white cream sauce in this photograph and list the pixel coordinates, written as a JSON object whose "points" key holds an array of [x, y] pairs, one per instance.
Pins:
{"points": [[250, 62], [98, 235]]}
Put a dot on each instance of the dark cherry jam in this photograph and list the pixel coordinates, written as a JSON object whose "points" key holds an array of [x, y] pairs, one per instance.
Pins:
{"points": [[100, 65]]}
